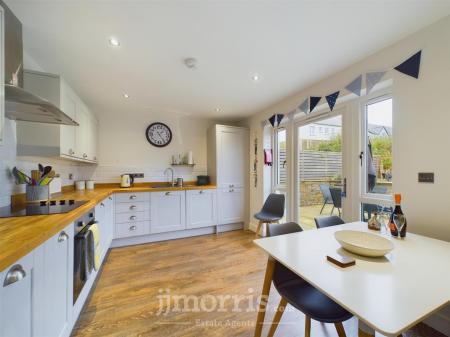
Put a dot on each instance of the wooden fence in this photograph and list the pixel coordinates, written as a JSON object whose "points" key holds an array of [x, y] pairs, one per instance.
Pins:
{"points": [[314, 165]]}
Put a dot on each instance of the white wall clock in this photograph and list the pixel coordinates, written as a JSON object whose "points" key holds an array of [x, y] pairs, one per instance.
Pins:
{"points": [[158, 134]]}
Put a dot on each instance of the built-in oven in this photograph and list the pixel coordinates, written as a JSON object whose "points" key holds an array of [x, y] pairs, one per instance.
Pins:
{"points": [[84, 252]]}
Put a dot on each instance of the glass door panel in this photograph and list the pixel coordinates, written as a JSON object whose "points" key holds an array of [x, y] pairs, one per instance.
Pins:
{"points": [[281, 172], [319, 170]]}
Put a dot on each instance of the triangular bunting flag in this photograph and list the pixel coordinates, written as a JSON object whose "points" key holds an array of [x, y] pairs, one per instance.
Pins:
{"points": [[272, 120], [411, 66], [313, 101], [372, 79], [331, 99], [355, 86], [279, 118], [304, 106]]}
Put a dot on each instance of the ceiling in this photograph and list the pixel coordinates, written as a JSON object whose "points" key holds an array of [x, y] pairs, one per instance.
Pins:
{"points": [[289, 44]]}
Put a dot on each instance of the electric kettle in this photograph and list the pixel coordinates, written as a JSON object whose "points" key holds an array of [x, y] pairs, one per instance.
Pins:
{"points": [[125, 180]]}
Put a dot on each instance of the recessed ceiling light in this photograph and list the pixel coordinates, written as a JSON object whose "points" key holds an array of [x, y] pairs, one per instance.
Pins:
{"points": [[255, 77], [114, 42], [126, 96]]}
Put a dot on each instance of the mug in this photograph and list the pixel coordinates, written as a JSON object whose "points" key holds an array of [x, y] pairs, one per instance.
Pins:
{"points": [[90, 184], [80, 185]]}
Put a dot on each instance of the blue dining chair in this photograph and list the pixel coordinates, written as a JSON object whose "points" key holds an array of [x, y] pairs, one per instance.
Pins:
{"points": [[301, 295]]}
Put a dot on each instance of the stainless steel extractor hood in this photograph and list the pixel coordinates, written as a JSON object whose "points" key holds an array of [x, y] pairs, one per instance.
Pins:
{"points": [[23, 106], [20, 104]]}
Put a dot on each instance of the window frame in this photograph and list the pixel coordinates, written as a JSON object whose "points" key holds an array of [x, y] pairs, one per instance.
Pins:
{"points": [[368, 197]]}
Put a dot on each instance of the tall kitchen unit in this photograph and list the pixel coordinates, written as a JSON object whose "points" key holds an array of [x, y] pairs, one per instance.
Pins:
{"points": [[228, 153]]}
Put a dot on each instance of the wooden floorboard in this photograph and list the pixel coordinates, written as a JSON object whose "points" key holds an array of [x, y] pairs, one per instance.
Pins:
{"points": [[125, 302]]}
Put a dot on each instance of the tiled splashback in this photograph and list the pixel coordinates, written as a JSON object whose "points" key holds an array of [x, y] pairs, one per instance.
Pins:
{"points": [[100, 173], [111, 174]]}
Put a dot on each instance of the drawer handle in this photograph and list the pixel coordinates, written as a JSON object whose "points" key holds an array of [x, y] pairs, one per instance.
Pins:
{"points": [[132, 228], [102, 204], [133, 217], [132, 207], [200, 192], [231, 186], [231, 191], [15, 274], [110, 198], [63, 237], [132, 197], [167, 193], [84, 155]]}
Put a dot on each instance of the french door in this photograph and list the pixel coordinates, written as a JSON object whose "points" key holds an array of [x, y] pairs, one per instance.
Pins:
{"points": [[323, 167], [281, 172]]}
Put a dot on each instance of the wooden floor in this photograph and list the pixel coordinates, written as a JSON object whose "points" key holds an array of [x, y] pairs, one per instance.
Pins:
{"points": [[126, 303]]}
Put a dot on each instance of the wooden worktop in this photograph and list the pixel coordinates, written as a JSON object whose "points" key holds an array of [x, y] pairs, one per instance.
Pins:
{"points": [[20, 235]]}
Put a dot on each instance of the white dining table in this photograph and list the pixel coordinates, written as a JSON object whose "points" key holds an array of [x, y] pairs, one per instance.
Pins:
{"points": [[388, 294]]}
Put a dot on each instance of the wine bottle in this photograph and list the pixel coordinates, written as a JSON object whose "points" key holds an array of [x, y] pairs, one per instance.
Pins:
{"points": [[397, 211]]}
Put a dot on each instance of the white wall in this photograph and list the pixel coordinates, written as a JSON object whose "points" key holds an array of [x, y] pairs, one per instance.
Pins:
{"points": [[420, 107], [123, 146], [421, 129]]}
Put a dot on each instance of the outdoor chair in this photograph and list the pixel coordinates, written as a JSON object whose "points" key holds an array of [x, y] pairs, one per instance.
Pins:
{"points": [[325, 189], [336, 196]]}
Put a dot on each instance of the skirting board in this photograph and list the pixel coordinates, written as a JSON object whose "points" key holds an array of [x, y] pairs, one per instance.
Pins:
{"points": [[137, 240]]}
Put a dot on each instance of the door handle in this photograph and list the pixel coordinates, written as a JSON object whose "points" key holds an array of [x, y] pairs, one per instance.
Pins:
{"points": [[344, 188], [132, 197], [200, 192], [15, 274], [132, 207], [231, 190], [361, 156], [62, 237], [133, 217], [132, 228], [167, 193]]}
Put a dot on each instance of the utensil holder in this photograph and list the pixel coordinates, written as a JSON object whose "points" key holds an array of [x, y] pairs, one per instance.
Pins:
{"points": [[37, 193]]}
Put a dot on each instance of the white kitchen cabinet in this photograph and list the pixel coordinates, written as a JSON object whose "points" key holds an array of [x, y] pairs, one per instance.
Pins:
{"points": [[201, 208], [70, 142], [16, 298], [228, 156], [104, 215], [231, 205], [52, 310], [167, 211], [2, 75], [228, 153], [92, 149]]}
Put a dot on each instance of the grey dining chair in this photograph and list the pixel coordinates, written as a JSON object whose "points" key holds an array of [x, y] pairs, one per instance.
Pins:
{"points": [[295, 291], [327, 221], [272, 210]]}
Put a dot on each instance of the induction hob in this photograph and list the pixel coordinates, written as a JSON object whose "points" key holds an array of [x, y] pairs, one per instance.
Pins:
{"points": [[41, 208]]}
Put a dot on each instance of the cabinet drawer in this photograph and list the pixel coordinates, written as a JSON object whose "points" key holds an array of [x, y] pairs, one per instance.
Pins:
{"points": [[196, 192], [138, 206], [128, 229], [132, 217], [132, 197]]}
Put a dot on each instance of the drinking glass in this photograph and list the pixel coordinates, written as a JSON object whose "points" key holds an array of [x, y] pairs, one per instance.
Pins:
{"points": [[384, 219], [399, 222]]}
